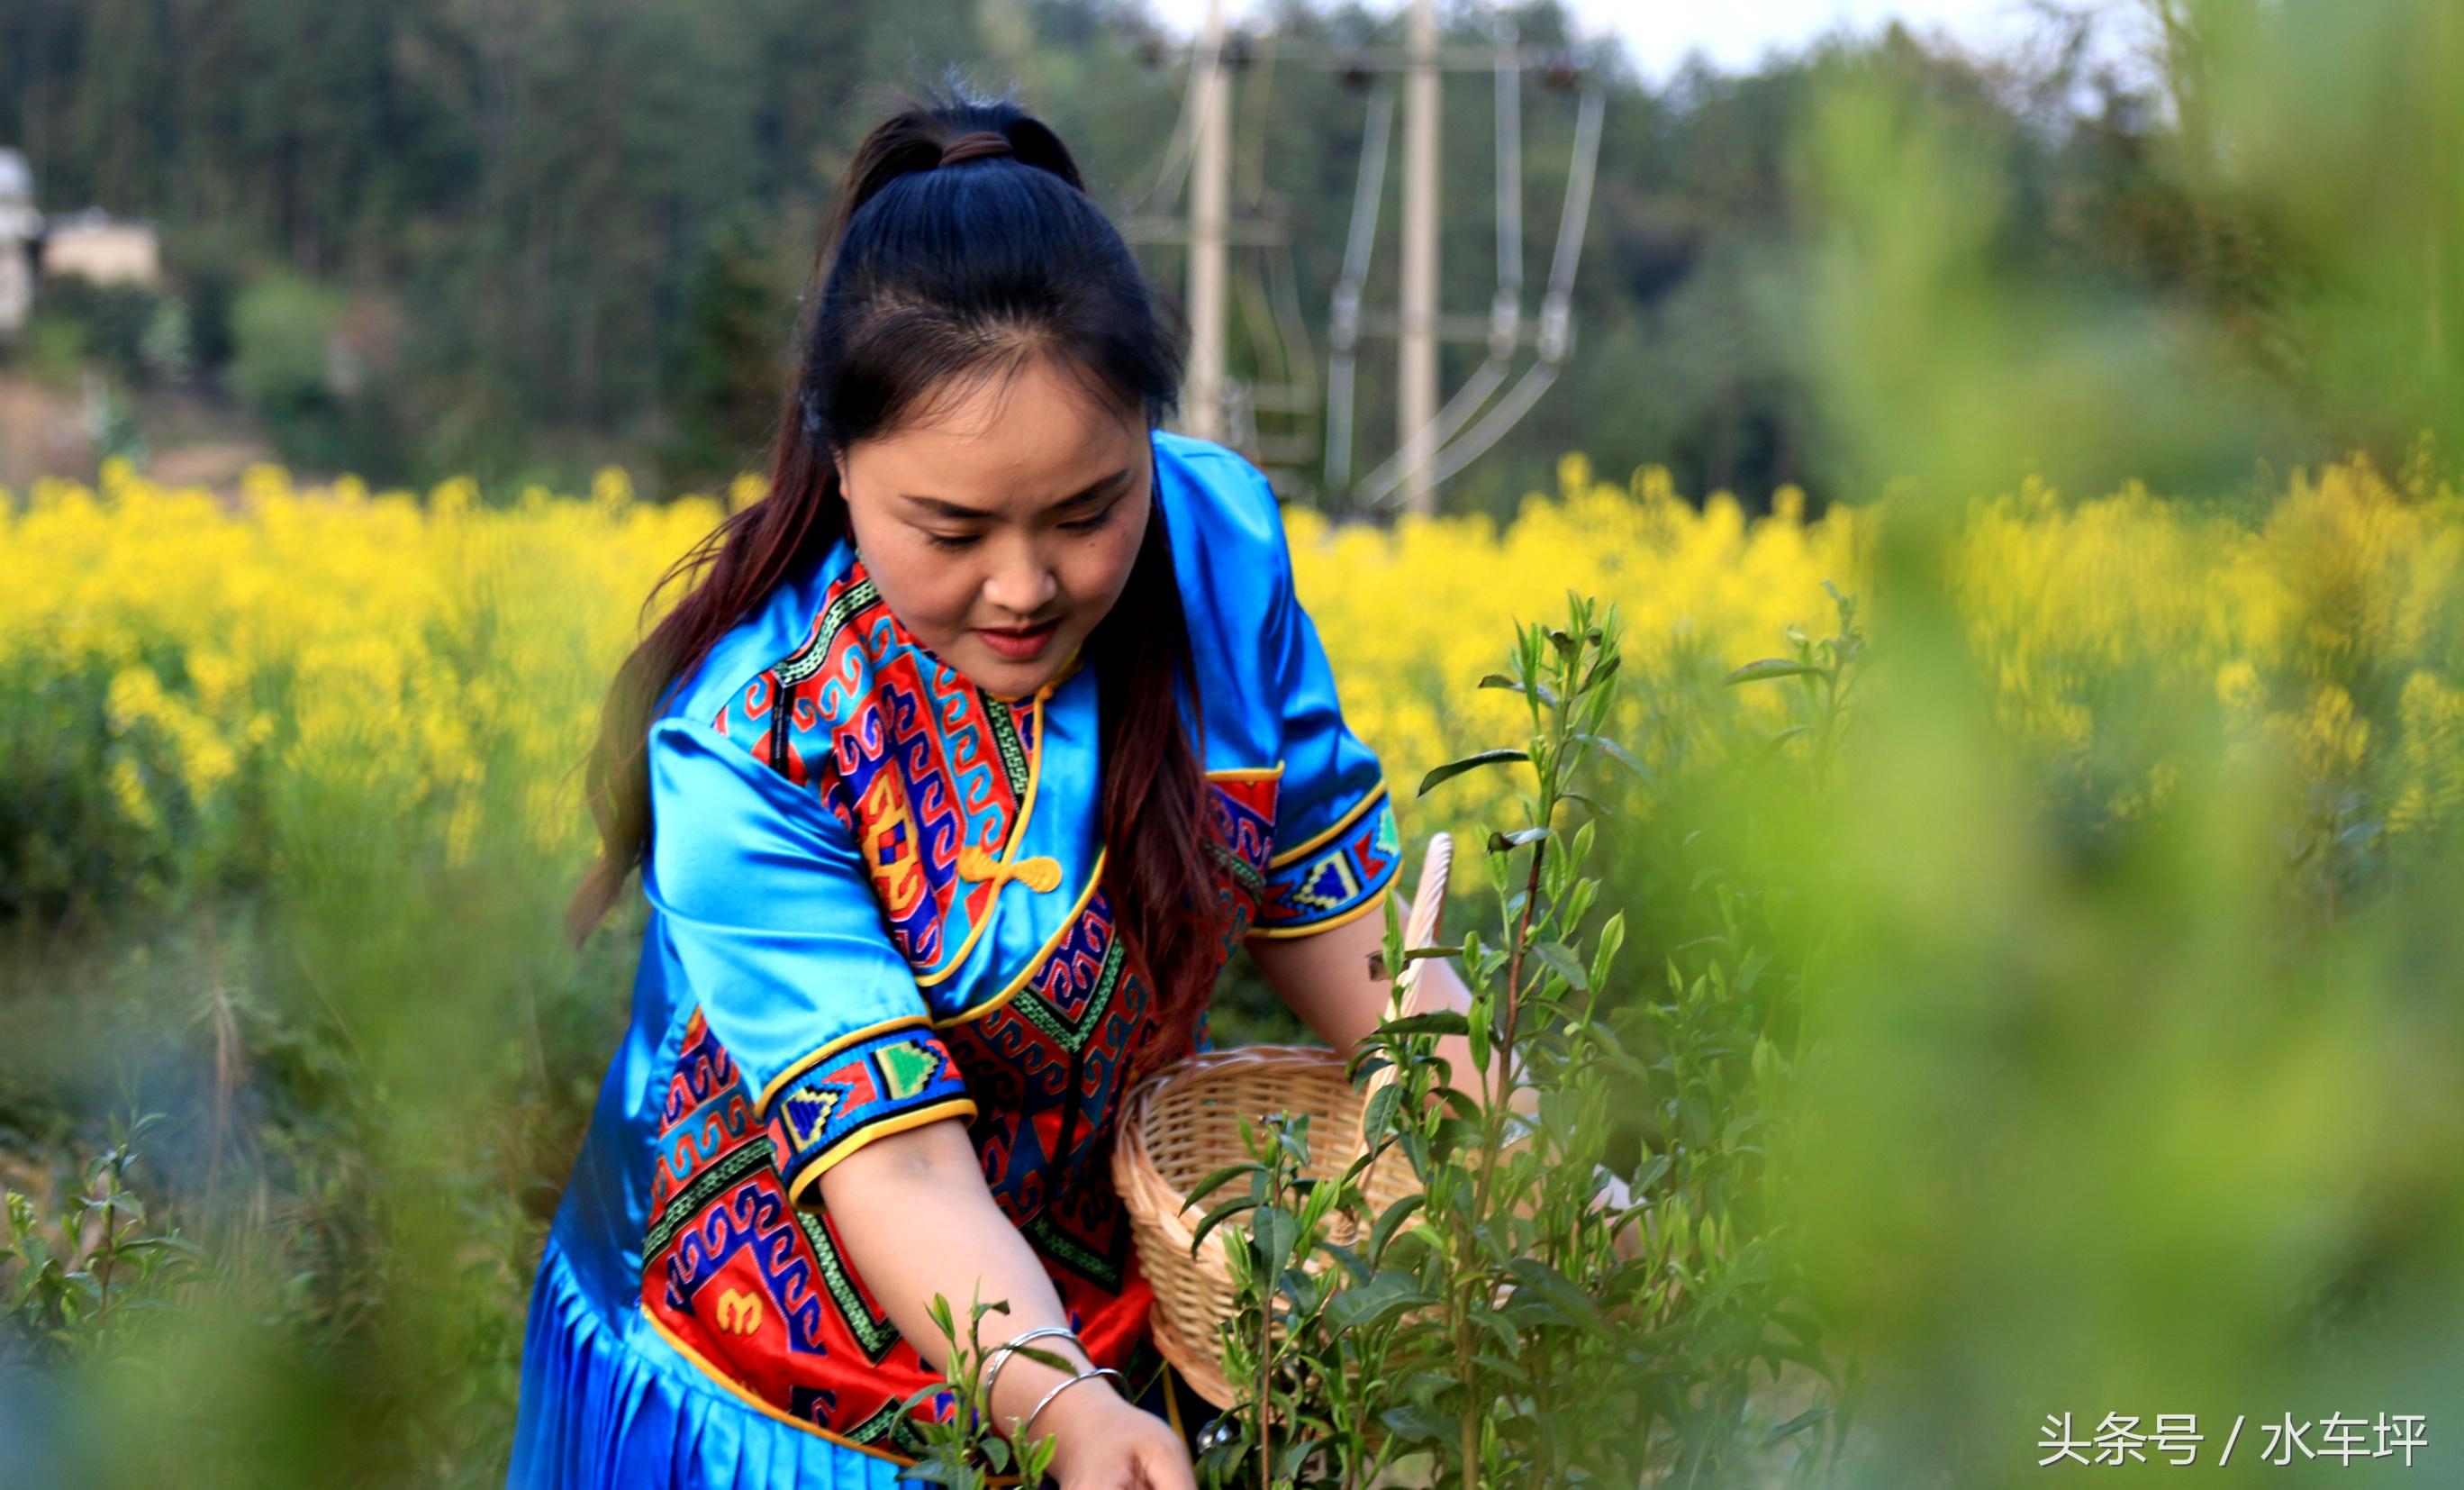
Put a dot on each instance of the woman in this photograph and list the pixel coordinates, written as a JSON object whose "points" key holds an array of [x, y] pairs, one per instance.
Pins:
{"points": [[982, 739]]}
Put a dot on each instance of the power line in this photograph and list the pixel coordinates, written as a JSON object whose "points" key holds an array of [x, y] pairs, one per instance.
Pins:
{"points": [[1434, 443]]}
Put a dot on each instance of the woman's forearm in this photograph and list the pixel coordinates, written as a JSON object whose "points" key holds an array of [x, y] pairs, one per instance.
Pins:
{"points": [[1327, 979], [915, 1217]]}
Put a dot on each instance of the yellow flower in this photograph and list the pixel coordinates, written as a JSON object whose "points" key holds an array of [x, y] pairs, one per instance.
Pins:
{"points": [[2428, 769], [2329, 742], [439, 660]]}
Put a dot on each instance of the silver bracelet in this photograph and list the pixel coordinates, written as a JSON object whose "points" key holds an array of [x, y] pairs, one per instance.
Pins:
{"points": [[1027, 1428], [1001, 1354]]}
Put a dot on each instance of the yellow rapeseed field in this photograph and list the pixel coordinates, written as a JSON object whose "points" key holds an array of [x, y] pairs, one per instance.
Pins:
{"points": [[435, 660]]}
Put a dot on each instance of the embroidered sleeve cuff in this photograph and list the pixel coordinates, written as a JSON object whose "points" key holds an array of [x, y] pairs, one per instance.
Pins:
{"points": [[1335, 876], [867, 1085]]}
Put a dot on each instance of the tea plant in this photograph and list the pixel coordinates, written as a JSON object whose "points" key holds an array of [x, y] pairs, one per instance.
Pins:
{"points": [[1311, 1398], [65, 1277], [1520, 1321], [1828, 669], [962, 1451]]}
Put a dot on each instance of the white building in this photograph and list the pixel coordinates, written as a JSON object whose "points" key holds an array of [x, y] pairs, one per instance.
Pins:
{"points": [[20, 227], [94, 245]]}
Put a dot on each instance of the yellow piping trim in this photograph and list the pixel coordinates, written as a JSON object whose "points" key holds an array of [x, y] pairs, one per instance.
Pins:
{"points": [[1278, 860], [1034, 964], [766, 1409], [1009, 850], [1248, 773], [762, 1103], [955, 1107], [1274, 933], [1040, 872]]}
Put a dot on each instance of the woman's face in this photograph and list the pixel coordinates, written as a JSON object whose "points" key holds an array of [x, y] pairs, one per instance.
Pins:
{"points": [[999, 526]]}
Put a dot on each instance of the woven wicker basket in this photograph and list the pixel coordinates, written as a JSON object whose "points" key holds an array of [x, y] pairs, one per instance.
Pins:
{"points": [[1184, 1123]]}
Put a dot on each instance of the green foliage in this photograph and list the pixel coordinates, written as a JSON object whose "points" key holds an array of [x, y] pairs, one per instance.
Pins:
{"points": [[53, 351], [1903, 1065], [963, 1450], [1489, 1328], [113, 320], [168, 348], [280, 329], [64, 1276], [375, 1070], [58, 825], [722, 385], [1826, 670]]}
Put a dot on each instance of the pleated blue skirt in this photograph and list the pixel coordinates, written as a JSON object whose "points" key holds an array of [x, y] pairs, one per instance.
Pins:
{"points": [[607, 1403]]}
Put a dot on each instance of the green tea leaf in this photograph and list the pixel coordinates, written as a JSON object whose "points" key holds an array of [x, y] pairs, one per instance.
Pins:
{"points": [[1415, 1424], [1216, 1181], [1353, 1262], [1617, 753], [1300, 1288], [1217, 1217], [1378, 1116], [1453, 768], [1288, 1464], [1772, 667], [1604, 957], [1650, 1174], [1557, 1289], [1560, 960], [1498, 1327], [1385, 1296], [1541, 691], [1394, 1216], [1275, 1232], [1441, 1022]]}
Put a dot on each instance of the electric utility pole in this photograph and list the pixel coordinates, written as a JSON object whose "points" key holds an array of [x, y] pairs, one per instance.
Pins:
{"points": [[1416, 362], [1210, 197]]}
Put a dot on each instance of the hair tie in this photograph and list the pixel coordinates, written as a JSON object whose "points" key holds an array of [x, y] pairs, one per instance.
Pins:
{"points": [[969, 146], [812, 412]]}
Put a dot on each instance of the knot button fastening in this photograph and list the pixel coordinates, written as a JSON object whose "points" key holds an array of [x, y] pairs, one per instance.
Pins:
{"points": [[1040, 872]]}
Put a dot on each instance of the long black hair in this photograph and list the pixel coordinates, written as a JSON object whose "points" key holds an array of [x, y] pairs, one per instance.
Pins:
{"points": [[931, 271]]}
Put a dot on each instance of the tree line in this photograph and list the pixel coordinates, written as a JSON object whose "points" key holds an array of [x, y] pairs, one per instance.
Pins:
{"points": [[544, 234]]}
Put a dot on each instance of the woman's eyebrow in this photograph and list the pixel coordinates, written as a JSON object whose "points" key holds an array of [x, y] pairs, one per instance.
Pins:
{"points": [[960, 512]]}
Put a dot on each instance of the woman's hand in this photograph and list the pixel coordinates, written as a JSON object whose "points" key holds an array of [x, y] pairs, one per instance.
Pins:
{"points": [[1103, 1441], [1611, 1196], [1613, 1199]]}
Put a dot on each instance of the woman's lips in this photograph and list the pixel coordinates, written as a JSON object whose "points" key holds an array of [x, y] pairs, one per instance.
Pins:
{"points": [[1018, 646]]}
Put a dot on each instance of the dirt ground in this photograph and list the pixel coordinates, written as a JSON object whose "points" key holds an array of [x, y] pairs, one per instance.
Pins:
{"points": [[193, 439], [40, 432]]}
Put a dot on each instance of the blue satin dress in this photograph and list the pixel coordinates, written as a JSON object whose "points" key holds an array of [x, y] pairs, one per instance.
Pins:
{"points": [[877, 900]]}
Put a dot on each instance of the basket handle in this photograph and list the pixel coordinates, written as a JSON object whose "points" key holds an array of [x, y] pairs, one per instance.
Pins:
{"points": [[1421, 928]]}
